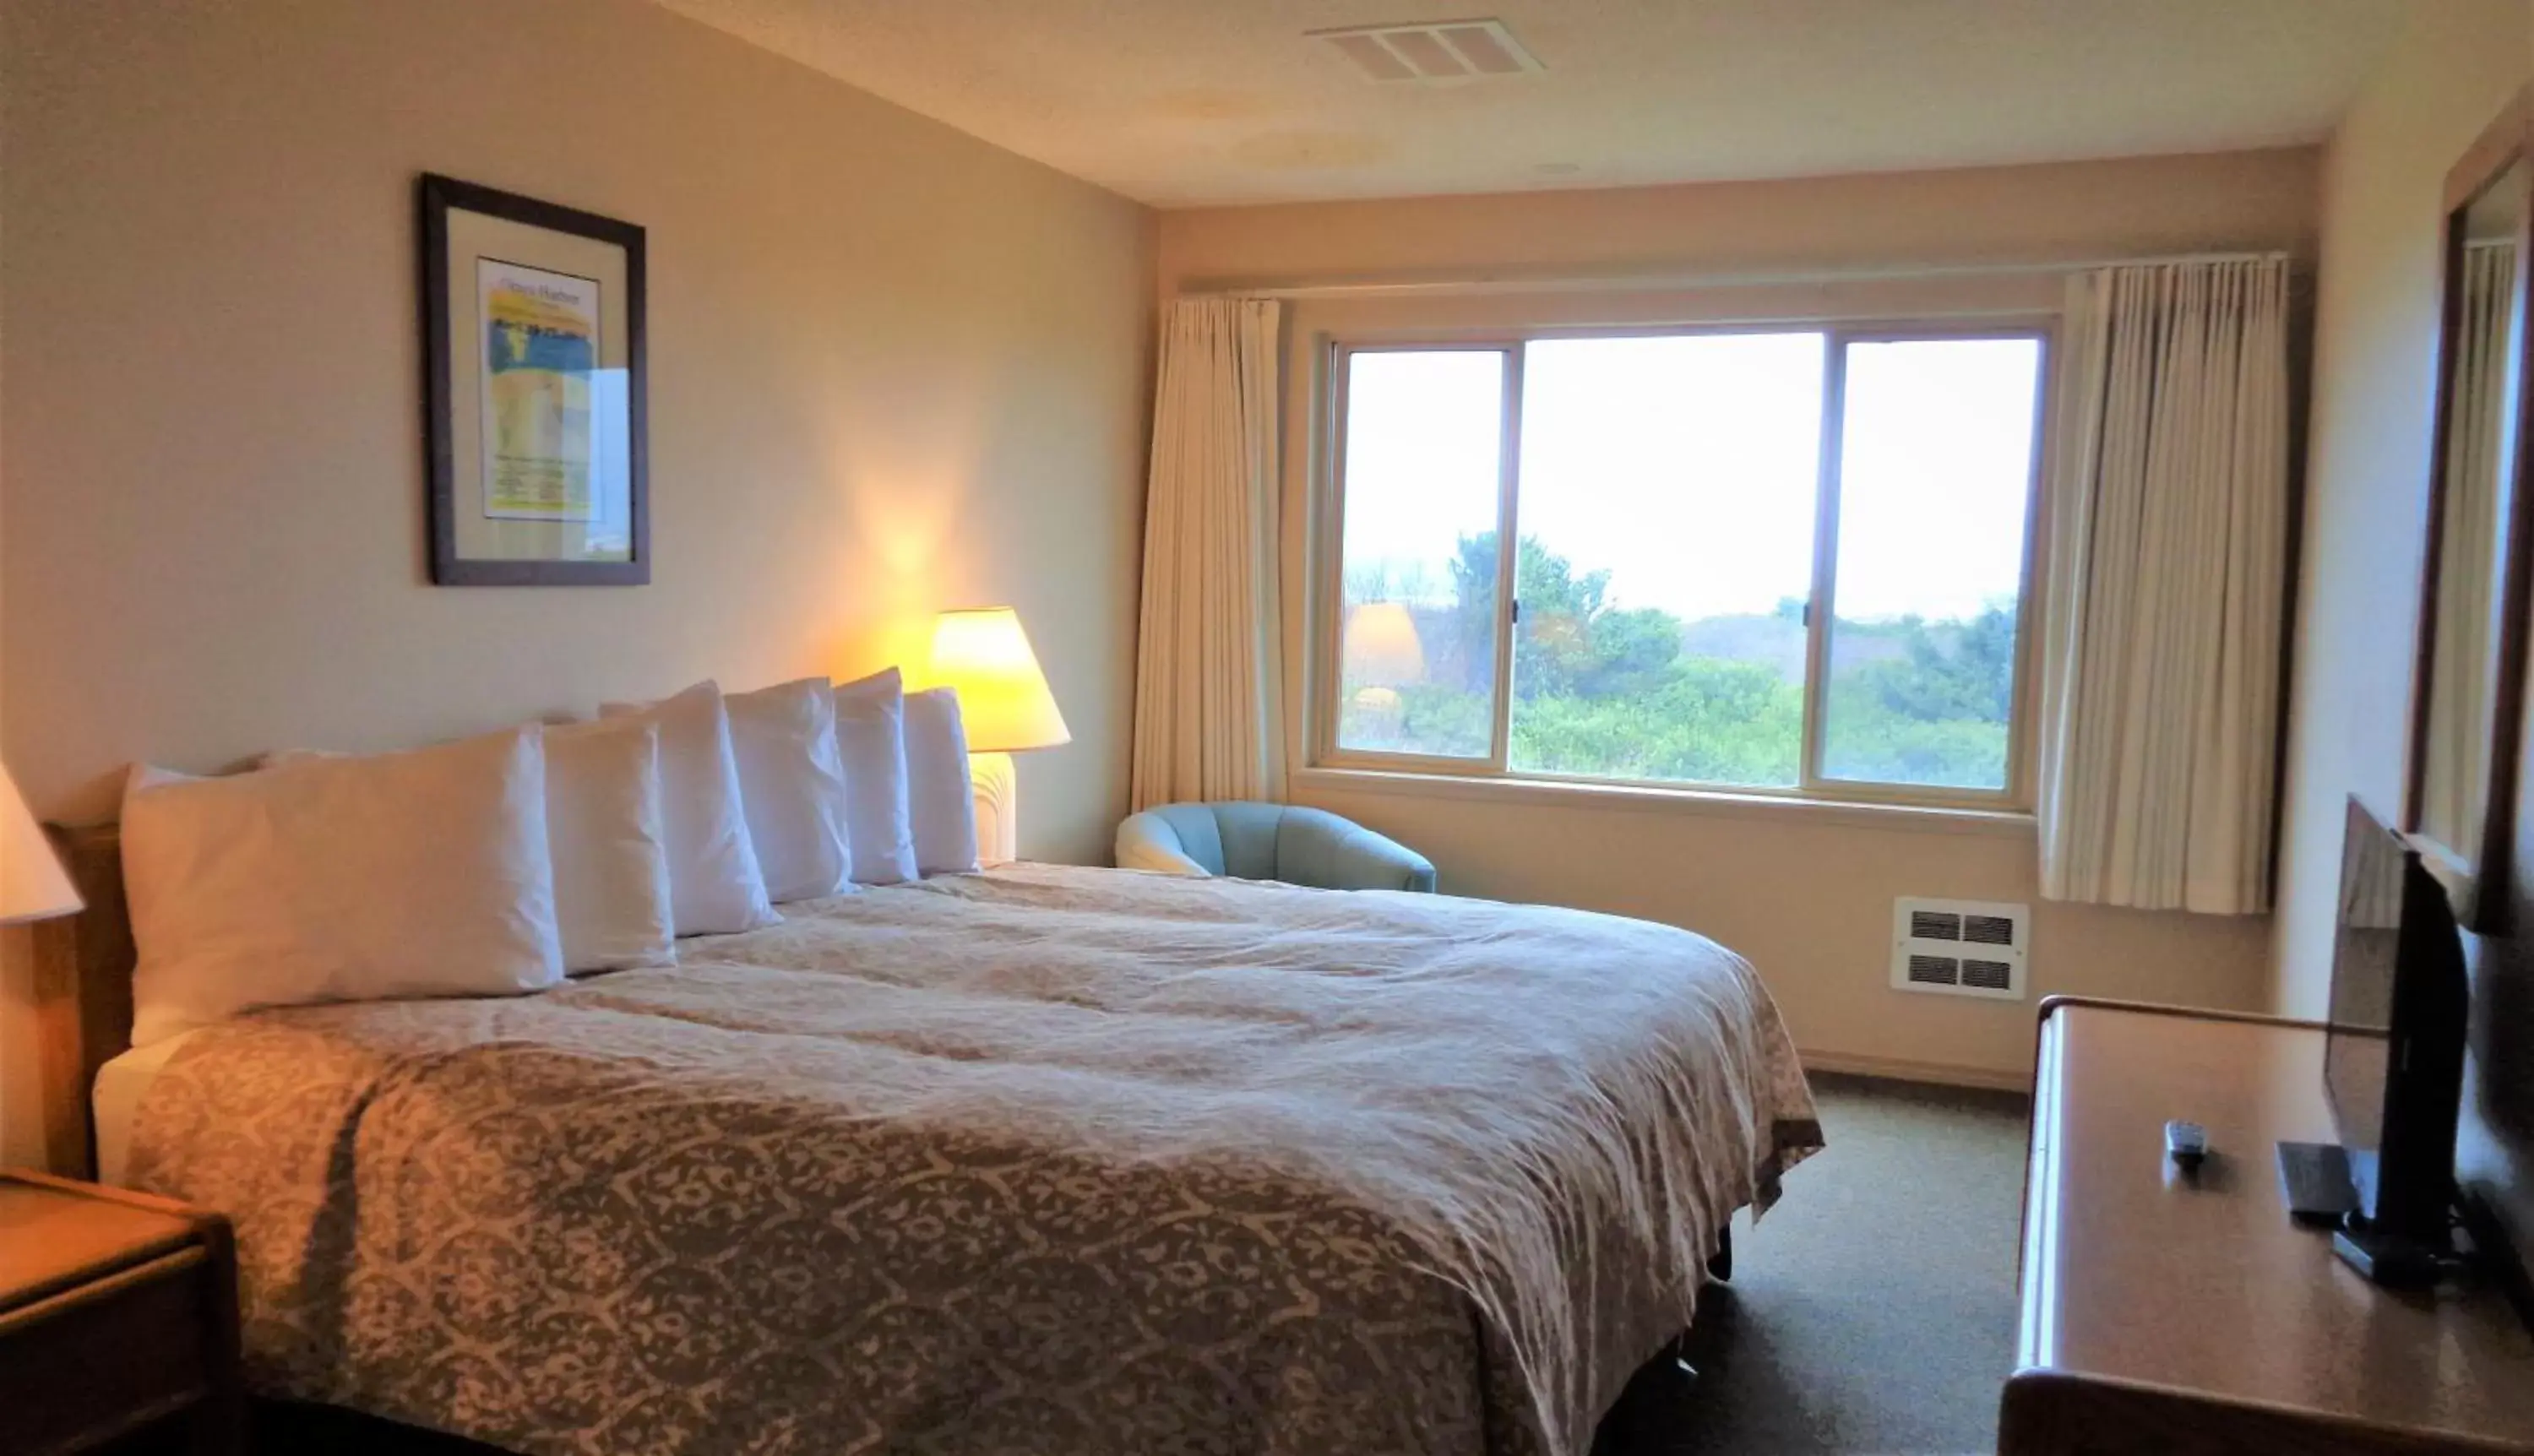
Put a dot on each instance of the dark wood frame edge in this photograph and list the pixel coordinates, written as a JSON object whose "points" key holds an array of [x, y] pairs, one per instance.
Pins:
{"points": [[433, 196]]}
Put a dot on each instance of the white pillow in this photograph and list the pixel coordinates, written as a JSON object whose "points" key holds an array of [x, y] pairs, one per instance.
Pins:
{"points": [[415, 874], [611, 853], [793, 787], [941, 799], [869, 737], [611, 864], [715, 884]]}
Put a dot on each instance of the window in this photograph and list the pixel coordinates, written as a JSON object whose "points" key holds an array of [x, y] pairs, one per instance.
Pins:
{"points": [[1790, 560], [1425, 445]]}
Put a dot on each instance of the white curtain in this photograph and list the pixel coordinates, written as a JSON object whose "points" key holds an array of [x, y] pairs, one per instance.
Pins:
{"points": [[2457, 762], [2168, 524], [1206, 661]]}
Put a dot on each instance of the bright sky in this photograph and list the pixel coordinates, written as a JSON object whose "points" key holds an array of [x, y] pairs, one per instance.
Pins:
{"points": [[1686, 466]]}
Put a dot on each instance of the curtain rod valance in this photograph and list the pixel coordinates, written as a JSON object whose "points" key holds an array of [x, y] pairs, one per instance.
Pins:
{"points": [[1656, 279]]}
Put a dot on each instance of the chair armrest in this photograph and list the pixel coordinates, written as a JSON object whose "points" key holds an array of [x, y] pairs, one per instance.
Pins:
{"points": [[1146, 841], [1316, 847]]}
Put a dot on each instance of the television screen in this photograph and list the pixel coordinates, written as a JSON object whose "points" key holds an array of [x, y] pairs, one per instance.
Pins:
{"points": [[2364, 958]]}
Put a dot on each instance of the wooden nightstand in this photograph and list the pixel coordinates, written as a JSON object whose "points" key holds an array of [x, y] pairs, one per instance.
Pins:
{"points": [[118, 1322]]}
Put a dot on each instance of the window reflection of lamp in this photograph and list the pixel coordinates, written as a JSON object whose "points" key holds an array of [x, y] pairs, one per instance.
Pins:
{"points": [[1382, 655], [1006, 707]]}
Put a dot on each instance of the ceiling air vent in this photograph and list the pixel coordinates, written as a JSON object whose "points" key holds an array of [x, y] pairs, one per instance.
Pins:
{"points": [[1439, 51], [1961, 948]]}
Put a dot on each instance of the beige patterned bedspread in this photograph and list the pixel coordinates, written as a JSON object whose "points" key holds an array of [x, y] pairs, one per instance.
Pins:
{"points": [[1061, 1161]]}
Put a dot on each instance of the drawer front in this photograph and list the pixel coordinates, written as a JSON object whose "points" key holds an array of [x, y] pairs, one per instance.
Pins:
{"points": [[93, 1361]]}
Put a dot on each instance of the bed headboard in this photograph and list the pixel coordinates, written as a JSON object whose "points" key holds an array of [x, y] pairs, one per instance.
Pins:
{"points": [[83, 994]]}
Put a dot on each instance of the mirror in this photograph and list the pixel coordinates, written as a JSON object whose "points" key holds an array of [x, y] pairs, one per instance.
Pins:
{"points": [[2465, 701]]}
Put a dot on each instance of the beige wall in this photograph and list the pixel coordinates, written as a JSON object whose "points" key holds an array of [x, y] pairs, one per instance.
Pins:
{"points": [[1807, 896], [892, 369], [2376, 324], [1987, 215], [2376, 334]]}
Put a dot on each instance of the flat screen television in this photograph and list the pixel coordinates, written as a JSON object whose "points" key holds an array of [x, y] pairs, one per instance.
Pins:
{"points": [[2394, 1052]]}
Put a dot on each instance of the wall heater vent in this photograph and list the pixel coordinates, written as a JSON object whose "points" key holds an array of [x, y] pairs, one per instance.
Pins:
{"points": [[1959, 947]]}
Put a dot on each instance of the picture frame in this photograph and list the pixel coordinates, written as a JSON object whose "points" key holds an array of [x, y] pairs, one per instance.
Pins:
{"points": [[535, 391]]}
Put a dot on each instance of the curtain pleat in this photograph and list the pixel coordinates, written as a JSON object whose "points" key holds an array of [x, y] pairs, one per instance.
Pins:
{"points": [[2460, 704], [2165, 599], [1206, 659]]}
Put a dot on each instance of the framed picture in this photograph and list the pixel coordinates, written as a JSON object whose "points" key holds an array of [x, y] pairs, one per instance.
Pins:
{"points": [[533, 383]]}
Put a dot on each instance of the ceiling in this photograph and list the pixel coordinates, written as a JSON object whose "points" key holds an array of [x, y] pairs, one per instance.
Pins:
{"points": [[1188, 103]]}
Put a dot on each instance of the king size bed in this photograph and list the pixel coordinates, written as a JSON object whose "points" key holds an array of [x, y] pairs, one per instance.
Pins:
{"points": [[1048, 1160]]}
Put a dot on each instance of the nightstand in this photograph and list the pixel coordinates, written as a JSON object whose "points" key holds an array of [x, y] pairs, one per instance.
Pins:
{"points": [[118, 1322]]}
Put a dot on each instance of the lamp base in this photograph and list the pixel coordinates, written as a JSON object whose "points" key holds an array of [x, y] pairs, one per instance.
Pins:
{"points": [[997, 790]]}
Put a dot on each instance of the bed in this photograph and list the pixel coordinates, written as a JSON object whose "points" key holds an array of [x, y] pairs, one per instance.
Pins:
{"points": [[1046, 1159]]}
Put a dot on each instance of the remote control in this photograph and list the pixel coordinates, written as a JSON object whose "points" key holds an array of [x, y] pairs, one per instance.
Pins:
{"points": [[2186, 1143]]}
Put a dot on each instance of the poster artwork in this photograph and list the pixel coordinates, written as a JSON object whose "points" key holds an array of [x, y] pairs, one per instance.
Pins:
{"points": [[540, 351]]}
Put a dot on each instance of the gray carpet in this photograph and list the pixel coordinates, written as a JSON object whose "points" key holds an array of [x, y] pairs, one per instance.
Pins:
{"points": [[1873, 1310]]}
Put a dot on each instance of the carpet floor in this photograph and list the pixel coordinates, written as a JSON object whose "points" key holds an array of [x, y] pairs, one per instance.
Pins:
{"points": [[1873, 1310]]}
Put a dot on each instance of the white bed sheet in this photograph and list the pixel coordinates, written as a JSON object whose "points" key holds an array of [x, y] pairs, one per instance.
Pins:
{"points": [[120, 1085]]}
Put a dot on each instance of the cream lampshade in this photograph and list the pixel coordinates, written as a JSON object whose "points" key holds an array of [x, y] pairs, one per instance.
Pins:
{"points": [[32, 885], [1004, 708], [1381, 646]]}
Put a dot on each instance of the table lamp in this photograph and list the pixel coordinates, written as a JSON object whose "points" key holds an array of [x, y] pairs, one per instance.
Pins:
{"points": [[1005, 709], [32, 885]]}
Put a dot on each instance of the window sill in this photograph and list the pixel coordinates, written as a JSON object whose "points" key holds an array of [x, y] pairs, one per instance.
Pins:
{"points": [[1643, 799]]}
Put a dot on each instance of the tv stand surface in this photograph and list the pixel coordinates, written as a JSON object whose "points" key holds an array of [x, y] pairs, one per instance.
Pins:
{"points": [[2176, 1313]]}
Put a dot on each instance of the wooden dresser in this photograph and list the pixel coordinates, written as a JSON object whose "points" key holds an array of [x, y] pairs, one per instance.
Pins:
{"points": [[2185, 1314]]}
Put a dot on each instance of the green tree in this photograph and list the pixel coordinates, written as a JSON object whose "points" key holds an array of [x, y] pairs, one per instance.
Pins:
{"points": [[1610, 692], [1569, 638], [1938, 714], [1970, 676]]}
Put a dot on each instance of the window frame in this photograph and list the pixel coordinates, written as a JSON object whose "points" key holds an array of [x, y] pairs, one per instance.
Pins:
{"points": [[1326, 581]]}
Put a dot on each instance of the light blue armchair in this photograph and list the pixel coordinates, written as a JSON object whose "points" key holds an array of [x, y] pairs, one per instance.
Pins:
{"points": [[1269, 841]]}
